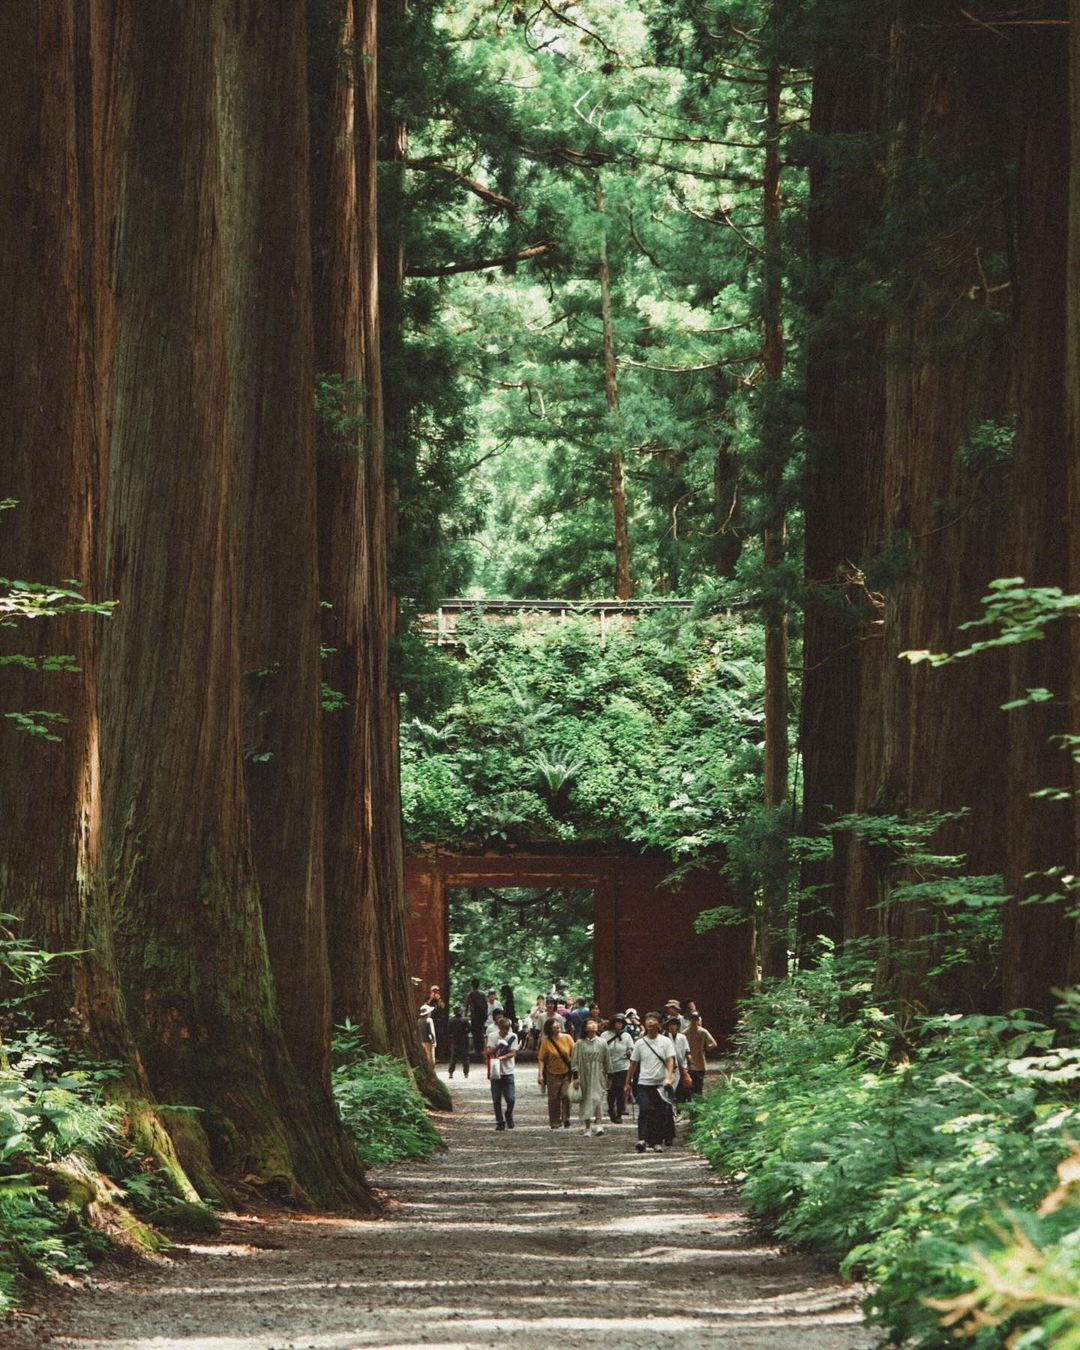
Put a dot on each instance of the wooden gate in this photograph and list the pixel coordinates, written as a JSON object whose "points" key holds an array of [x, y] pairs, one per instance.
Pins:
{"points": [[645, 950]]}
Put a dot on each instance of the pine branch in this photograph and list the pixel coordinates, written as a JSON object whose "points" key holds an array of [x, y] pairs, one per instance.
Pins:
{"points": [[486, 194], [482, 264]]}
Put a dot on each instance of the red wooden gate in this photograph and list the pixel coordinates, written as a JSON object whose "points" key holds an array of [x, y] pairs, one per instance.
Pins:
{"points": [[645, 950]]}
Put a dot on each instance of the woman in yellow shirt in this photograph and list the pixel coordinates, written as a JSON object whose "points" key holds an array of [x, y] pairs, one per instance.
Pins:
{"points": [[553, 1071]]}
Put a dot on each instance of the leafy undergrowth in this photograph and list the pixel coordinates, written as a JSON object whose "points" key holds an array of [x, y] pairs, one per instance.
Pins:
{"points": [[74, 1183], [934, 1159], [379, 1102]]}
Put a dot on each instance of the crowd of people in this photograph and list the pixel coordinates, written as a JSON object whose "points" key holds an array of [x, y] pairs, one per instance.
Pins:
{"points": [[601, 1065]]}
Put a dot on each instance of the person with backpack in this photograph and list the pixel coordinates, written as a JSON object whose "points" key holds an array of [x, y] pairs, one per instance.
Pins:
{"points": [[426, 1028], [650, 1077], [553, 1072]]}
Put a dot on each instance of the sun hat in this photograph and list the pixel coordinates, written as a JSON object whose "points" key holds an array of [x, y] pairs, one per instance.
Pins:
{"points": [[673, 1003], [694, 1016], [631, 1012]]}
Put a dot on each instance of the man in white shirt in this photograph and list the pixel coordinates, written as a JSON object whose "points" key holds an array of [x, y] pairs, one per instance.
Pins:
{"points": [[652, 1067], [501, 1065]]}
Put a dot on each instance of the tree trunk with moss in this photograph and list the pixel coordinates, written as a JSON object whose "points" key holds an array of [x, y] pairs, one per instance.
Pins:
{"points": [[267, 284], [188, 919]]}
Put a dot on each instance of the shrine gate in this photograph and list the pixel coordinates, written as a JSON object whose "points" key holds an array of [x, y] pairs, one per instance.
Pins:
{"points": [[645, 950]]}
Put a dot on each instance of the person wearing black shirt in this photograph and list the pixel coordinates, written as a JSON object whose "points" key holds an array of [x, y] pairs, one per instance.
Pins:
{"points": [[477, 1009]]}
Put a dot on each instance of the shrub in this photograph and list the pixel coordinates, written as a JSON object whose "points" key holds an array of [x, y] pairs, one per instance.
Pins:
{"points": [[379, 1102], [917, 1153]]}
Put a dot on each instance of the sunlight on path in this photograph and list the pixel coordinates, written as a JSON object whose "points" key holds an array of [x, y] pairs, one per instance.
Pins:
{"points": [[530, 1238]]}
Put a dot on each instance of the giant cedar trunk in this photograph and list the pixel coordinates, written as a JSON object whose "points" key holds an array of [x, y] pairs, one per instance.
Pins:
{"points": [[272, 430], [1038, 937], [385, 842], [51, 875], [364, 863], [928, 545], [845, 391], [1072, 390], [189, 928]]}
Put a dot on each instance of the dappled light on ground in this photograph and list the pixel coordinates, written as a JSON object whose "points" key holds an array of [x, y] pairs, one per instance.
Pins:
{"points": [[528, 1238]]}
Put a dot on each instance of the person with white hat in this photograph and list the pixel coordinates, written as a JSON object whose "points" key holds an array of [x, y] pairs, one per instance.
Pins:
{"points": [[620, 1044], [426, 1026]]}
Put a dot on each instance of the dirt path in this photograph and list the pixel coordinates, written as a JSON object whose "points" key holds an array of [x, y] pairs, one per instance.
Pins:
{"points": [[531, 1238]]}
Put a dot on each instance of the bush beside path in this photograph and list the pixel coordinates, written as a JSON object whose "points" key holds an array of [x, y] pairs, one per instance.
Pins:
{"points": [[526, 1238]]}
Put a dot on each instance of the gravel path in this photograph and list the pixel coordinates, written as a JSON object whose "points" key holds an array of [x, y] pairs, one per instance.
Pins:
{"points": [[526, 1239]]}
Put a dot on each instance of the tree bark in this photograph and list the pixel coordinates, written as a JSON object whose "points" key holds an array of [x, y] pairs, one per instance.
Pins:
{"points": [[1037, 948], [267, 287], [52, 877], [896, 389], [364, 851], [845, 417], [189, 926]]}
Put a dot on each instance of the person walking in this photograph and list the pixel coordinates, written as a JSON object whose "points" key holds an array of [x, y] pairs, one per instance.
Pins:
{"points": [[458, 1035], [700, 1041], [501, 1069], [426, 1027], [492, 1013], [619, 1043], [506, 994], [674, 1007], [537, 1017], [553, 1071], [683, 1081], [440, 1015], [577, 1017], [590, 1064], [652, 1067], [476, 1008]]}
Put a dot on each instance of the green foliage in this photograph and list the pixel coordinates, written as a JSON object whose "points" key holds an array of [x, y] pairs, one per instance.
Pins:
{"points": [[550, 733], [1019, 613], [339, 413], [530, 940], [379, 1102], [58, 1123], [916, 1151]]}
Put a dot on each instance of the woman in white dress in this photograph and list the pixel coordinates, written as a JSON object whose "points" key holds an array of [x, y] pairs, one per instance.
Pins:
{"points": [[590, 1065]]}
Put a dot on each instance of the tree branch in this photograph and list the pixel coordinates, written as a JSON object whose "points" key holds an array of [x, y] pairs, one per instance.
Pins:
{"points": [[486, 194], [482, 264]]}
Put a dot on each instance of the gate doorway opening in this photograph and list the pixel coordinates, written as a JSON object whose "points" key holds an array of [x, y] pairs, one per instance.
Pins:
{"points": [[534, 939]]}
